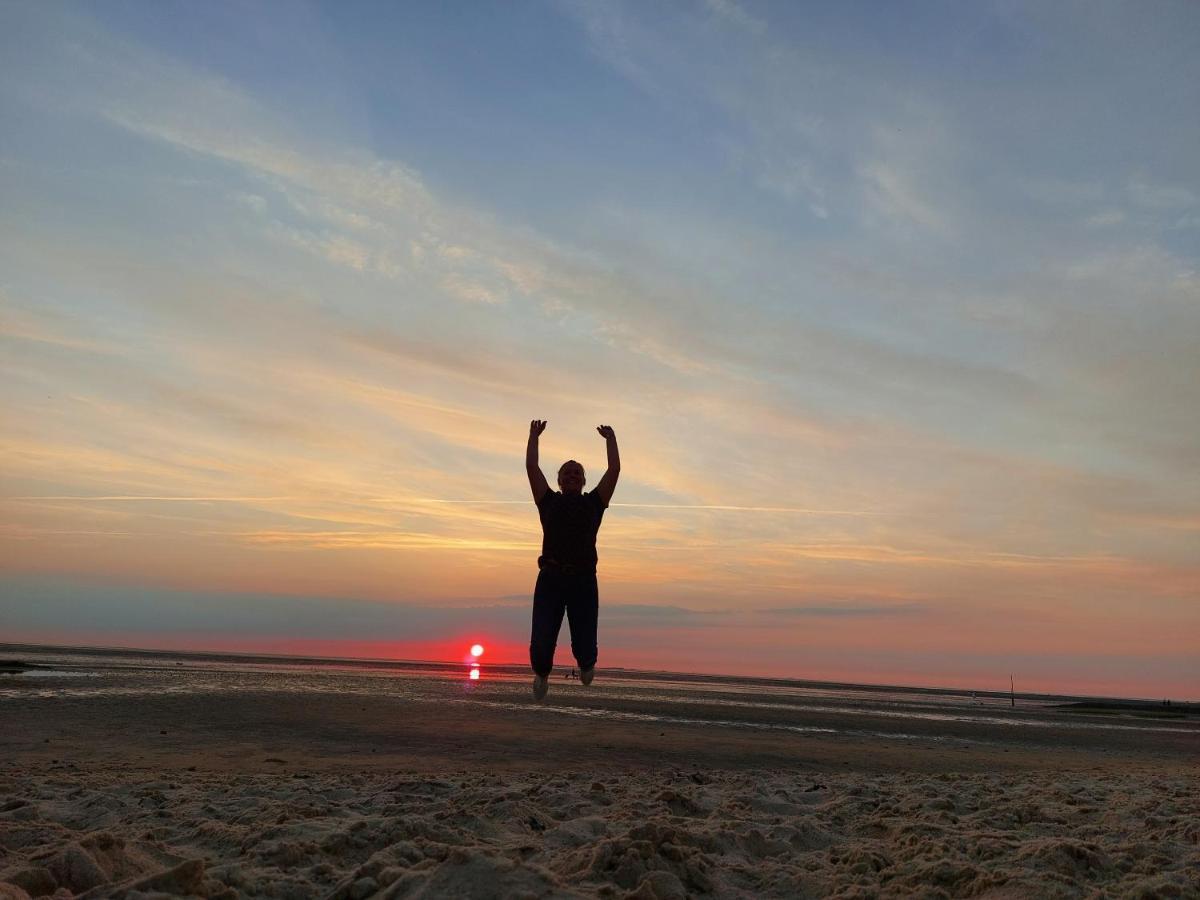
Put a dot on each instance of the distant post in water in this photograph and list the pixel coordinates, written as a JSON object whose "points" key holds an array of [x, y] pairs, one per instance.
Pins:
{"points": [[1012, 692]]}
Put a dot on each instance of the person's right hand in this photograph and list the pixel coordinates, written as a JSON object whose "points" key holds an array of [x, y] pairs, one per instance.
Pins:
{"points": [[536, 427]]}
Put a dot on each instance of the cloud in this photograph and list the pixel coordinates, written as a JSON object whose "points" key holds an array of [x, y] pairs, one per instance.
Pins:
{"points": [[472, 291], [1159, 196], [1105, 219], [130, 610], [893, 197], [653, 614], [736, 15], [387, 539], [847, 609]]}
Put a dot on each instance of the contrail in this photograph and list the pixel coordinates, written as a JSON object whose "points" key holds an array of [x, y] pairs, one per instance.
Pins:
{"points": [[775, 509], [144, 497], [797, 510], [780, 509], [435, 500]]}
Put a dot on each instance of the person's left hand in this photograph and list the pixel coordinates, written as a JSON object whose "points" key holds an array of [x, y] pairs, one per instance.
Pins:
{"points": [[606, 432]]}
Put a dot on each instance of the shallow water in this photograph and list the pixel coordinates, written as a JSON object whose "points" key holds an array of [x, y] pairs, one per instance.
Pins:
{"points": [[888, 712]]}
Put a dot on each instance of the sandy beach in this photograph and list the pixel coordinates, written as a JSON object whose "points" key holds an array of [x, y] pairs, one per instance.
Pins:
{"points": [[267, 793]]}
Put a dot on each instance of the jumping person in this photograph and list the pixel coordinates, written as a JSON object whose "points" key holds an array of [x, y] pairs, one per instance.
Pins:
{"points": [[566, 579]]}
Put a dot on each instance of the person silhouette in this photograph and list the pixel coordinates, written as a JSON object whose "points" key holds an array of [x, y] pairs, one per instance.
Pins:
{"points": [[566, 579]]}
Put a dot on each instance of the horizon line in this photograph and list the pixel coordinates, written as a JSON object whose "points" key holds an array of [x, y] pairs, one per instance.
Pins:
{"points": [[725, 675]]}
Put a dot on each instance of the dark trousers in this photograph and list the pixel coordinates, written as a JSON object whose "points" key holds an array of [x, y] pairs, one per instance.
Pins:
{"points": [[577, 596]]}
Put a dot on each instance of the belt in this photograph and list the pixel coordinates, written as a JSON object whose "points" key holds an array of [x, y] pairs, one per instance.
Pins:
{"points": [[560, 568]]}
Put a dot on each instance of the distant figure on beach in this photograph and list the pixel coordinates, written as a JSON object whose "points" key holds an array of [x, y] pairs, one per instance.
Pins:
{"points": [[566, 579]]}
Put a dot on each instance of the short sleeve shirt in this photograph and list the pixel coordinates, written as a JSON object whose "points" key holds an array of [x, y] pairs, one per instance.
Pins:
{"points": [[569, 526]]}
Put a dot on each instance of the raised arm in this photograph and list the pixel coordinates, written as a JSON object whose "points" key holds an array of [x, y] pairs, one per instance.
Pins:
{"points": [[537, 481], [609, 482]]}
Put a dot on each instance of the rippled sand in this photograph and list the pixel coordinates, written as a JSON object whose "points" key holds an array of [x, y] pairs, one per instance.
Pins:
{"points": [[648, 834]]}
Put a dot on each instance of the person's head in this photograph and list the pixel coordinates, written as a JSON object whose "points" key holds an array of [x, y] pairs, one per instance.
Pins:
{"points": [[571, 478]]}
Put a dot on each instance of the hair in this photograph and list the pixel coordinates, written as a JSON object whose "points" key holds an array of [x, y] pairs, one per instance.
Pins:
{"points": [[570, 462]]}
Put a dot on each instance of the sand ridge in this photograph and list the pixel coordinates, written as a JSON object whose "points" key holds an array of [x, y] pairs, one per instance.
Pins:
{"points": [[660, 834]]}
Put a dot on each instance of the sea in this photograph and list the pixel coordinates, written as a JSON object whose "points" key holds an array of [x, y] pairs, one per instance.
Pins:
{"points": [[874, 711]]}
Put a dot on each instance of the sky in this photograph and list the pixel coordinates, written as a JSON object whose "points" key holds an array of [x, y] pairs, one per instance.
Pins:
{"points": [[894, 309]]}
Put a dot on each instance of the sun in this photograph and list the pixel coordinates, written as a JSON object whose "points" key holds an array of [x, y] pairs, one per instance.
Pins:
{"points": [[477, 650]]}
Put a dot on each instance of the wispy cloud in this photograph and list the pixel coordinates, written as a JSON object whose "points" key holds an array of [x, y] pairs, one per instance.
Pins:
{"points": [[764, 509], [846, 609]]}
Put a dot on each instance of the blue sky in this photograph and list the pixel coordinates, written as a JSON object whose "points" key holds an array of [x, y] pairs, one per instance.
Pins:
{"points": [[894, 308]]}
